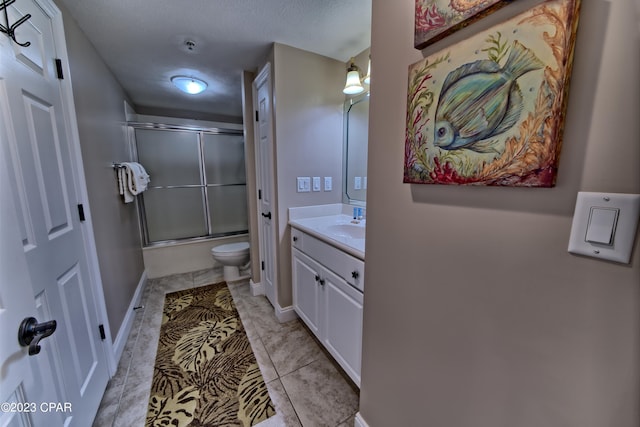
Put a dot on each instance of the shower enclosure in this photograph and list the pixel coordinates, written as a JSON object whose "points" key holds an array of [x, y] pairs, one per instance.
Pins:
{"points": [[198, 182]]}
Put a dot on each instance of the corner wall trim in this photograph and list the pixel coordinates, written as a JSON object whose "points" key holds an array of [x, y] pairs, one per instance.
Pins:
{"points": [[256, 288], [286, 314], [127, 323], [359, 421]]}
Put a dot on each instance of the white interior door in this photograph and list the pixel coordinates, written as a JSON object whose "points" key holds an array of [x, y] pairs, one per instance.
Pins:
{"points": [[24, 380], [36, 143], [266, 204]]}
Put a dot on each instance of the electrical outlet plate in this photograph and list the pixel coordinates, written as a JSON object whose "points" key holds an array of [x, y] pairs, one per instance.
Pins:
{"points": [[327, 183]]}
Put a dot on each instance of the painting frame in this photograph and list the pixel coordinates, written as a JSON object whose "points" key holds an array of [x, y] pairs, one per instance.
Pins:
{"points": [[437, 19], [490, 109]]}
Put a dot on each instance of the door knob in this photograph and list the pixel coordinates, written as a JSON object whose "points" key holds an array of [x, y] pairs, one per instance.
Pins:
{"points": [[31, 332], [267, 215]]}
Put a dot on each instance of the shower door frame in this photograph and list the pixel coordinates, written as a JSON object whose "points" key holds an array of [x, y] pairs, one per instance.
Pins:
{"points": [[201, 131]]}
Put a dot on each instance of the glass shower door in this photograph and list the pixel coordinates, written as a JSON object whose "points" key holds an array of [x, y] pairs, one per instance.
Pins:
{"points": [[225, 182], [174, 202]]}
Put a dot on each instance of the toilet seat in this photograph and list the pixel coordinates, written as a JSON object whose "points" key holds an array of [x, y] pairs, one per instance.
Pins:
{"points": [[229, 249]]}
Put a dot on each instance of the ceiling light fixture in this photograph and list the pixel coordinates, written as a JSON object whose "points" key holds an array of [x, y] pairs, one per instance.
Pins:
{"points": [[189, 85], [353, 85]]}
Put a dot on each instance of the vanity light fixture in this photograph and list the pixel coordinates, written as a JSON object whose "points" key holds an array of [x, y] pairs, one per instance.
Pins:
{"points": [[189, 85], [367, 78], [353, 85]]}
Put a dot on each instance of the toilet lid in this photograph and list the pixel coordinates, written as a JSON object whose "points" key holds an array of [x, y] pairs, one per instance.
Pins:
{"points": [[231, 247]]}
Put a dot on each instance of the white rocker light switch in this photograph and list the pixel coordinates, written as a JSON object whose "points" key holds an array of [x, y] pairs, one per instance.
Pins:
{"points": [[604, 225]]}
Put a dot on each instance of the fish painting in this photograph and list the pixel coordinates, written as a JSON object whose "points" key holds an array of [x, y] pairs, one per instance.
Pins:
{"points": [[490, 108], [481, 100]]}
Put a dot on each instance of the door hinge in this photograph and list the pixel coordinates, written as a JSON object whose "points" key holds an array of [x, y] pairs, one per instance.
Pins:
{"points": [[81, 212], [103, 336], [262, 265], [259, 194], [59, 68], [257, 115]]}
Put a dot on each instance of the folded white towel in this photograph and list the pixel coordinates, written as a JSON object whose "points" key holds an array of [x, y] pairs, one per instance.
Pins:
{"points": [[123, 185], [132, 180], [138, 178]]}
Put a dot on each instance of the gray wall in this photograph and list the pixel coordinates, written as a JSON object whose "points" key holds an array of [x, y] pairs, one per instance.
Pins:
{"points": [[475, 314], [99, 101], [308, 107]]}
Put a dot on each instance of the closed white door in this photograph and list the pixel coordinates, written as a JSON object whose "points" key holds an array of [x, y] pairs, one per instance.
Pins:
{"points": [[24, 380], [266, 204], [42, 174]]}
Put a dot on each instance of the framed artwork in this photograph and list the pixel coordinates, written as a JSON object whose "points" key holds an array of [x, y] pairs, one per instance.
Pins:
{"points": [[490, 110], [436, 19]]}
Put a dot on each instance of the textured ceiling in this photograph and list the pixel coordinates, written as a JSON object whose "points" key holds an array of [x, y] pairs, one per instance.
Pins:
{"points": [[143, 42]]}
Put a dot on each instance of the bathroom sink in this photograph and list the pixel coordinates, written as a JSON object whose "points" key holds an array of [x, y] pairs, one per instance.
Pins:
{"points": [[354, 231]]}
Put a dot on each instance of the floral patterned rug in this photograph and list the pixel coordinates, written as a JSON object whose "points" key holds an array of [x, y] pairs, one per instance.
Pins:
{"points": [[205, 372]]}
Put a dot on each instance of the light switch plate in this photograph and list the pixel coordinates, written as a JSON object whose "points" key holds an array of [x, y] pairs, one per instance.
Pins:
{"points": [[316, 183], [594, 216], [304, 184]]}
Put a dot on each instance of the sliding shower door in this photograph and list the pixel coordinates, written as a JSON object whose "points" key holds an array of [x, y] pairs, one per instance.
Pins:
{"points": [[198, 184], [226, 182]]}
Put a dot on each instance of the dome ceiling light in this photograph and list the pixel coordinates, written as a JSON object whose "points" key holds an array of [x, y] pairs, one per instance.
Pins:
{"points": [[189, 85]]}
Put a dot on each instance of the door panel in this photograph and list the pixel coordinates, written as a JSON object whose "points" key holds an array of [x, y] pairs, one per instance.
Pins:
{"points": [[266, 205], [343, 327], [306, 291], [45, 148], [37, 146]]}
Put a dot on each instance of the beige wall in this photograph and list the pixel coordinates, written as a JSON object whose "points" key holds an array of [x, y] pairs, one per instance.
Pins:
{"points": [[475, 314], [99, 102], [308, 138]]}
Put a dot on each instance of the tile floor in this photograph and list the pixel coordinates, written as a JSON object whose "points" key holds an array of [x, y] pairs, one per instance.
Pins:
{"points": [[304, 384]]}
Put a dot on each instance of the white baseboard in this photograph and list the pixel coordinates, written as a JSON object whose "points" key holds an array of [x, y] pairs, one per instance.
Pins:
{"points": [[286, 314], [283, 315], [360, 422], [256, 288], [127, 323]]}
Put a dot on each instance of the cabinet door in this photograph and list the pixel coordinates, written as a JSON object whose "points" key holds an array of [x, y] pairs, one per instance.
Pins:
{"points": [[306, 289], [342, 316]]}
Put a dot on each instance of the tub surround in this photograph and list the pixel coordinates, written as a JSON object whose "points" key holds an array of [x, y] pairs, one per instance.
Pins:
{"points": [[184, 257]]}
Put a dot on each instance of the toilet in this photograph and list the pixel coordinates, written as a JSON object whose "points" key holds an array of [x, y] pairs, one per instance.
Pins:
{"points": [[231, 256]]}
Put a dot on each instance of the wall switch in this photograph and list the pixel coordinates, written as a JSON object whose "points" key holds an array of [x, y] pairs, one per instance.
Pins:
{"points": [[364, 185], [604, 225], [304, 184], [316, 183], [357, 183], [327, 183]]}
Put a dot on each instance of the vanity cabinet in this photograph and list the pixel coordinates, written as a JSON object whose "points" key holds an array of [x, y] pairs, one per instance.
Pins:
{"points": [[327, 295]]}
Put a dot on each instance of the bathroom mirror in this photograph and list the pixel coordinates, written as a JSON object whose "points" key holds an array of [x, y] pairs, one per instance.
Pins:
{"points": [[356, 140]]}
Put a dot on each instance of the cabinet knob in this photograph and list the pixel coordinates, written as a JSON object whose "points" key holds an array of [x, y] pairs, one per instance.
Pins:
{"points": [[317, 278], [295, 238], [321, 282], [355, 274]]}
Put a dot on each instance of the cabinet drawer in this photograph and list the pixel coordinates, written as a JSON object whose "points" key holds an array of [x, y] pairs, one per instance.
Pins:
{"points": [[350, 268]]}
